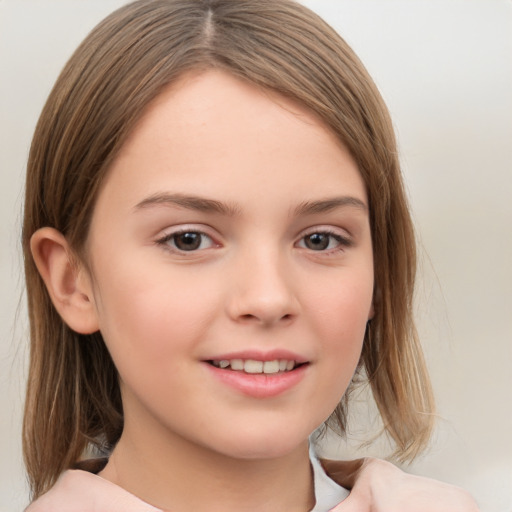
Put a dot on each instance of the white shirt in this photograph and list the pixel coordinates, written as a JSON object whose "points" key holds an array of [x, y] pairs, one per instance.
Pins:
{"points": [[328, 493]]}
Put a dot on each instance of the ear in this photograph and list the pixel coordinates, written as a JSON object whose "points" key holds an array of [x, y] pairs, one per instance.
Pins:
{"points": [[68, 284]]}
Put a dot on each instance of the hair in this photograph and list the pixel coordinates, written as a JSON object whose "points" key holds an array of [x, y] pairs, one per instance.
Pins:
{"points": [[73, 398]]}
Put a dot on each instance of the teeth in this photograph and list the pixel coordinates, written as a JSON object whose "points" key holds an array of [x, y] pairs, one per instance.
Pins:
{"points": [[253, 366], [237, 364], [271, 366]]}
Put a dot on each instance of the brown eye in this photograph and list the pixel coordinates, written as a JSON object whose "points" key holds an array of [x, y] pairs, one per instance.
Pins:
{"points": [[317, 241], [324, 241], [190, 241], [187, 241]]}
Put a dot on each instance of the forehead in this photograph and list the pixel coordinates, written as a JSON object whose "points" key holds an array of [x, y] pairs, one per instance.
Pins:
{"points": [[213, 132], [201, 100]]}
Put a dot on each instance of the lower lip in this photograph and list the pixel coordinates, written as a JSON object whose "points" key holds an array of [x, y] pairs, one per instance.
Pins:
{"points": [[259, 385]]}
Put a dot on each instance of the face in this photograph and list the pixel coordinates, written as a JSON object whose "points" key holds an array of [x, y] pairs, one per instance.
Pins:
{"points": [[231, 269]]}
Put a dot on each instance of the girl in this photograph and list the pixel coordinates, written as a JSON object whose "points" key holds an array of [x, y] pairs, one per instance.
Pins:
{"points": [[216, 240]]}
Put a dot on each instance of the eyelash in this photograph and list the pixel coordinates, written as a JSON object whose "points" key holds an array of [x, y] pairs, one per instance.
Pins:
{"points": [[171, 237], [343, 242]]}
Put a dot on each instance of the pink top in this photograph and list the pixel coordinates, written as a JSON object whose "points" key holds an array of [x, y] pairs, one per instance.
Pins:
{"points": [[81, 491]]}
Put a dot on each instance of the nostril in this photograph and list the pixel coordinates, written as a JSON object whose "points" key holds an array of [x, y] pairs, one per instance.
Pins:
{"points": [[251, 317], [261, 308]]}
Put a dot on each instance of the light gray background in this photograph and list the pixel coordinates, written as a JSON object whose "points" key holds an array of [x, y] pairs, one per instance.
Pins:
{"points": [[445, 70]]}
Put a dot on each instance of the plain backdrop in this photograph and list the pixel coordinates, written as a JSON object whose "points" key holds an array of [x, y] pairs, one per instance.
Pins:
{"points": [[445, 69]]}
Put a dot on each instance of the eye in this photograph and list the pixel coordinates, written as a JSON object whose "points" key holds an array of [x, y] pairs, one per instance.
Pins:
{"points": [[323, 241], [187, 241]]}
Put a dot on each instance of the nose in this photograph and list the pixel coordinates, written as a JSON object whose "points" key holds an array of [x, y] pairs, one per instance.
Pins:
{"points": [[263, 290]]}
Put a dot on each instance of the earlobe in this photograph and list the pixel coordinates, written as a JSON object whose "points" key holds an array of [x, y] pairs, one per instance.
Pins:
{"points": [[68, 285]]}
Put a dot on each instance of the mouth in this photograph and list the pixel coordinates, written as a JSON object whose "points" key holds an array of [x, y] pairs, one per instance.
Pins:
{"points": [[254, 366], [259, 374]]}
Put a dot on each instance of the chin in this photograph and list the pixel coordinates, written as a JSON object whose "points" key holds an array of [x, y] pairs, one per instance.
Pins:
{"points": [[262, 443], [263, 451]]}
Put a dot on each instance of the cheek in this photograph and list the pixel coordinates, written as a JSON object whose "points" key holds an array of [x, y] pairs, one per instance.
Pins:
{"points": [[340, 319], [342, 308], [147, 316]]}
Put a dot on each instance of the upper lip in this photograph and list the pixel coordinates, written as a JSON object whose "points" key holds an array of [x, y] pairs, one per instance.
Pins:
{"points": [[260, 355]]}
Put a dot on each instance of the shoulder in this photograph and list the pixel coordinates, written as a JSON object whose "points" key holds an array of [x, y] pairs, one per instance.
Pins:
{"points": [[80, 491], [379, 485]]}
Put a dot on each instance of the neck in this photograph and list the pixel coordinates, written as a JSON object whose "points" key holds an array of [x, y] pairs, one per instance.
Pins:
{"points": [[174, 474]]}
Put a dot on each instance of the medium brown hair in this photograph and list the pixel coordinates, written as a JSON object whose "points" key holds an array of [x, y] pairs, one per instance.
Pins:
{"points": [[73, 397]]}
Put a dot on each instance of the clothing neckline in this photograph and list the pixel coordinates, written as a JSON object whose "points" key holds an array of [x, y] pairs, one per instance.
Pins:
{"points": [[328, 493], [81, 489]]}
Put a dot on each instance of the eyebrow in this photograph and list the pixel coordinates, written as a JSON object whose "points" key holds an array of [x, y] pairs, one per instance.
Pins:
{"points": [[189, 202], [326, 205], [203, 204]]}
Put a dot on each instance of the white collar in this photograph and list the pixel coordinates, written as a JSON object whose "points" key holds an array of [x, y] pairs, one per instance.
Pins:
{"points": [[328, 493]]}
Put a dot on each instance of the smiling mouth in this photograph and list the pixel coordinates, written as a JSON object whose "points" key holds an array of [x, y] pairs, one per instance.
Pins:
{"points": [[253, 366]]}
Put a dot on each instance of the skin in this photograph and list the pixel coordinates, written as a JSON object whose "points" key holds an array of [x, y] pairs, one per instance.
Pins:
{"points": [[255, 282]]}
